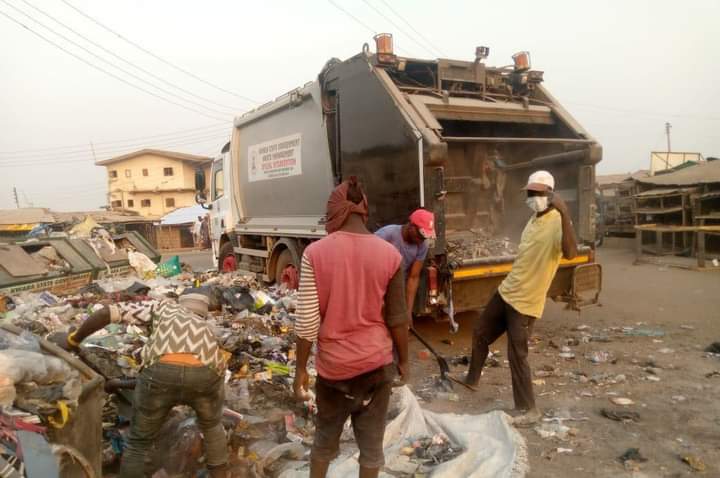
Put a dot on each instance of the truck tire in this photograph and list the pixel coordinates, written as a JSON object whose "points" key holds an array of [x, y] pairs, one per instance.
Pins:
{"points": [[225, 251], [286, 271]]}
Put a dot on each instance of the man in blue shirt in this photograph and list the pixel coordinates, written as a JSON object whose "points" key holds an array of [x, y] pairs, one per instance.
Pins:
{"points": [[411, 241]]}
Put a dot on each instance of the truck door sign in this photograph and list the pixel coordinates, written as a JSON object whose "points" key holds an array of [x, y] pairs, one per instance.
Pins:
{"points": [[277, 158]]}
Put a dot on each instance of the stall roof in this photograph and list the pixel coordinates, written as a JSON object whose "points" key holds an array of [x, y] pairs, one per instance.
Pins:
{"points": [[703, 173], [607, 179], [183, 215], [27, 215]]}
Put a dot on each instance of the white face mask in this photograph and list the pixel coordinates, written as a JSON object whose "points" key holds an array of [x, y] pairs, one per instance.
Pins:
{"points": [[537, 203]]}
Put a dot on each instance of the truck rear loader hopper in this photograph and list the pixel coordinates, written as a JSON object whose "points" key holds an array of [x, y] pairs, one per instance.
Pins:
{"points": [[456, 137]]}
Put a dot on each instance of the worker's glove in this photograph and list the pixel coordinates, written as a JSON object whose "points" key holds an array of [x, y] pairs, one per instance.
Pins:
{"points": [[65, 340]]}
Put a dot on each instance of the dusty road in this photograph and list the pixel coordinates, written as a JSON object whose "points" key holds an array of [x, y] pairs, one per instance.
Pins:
{"points": [[678, 407]]}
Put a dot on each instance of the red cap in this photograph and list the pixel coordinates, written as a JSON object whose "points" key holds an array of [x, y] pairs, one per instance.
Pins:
{"points": [[425, 222]]}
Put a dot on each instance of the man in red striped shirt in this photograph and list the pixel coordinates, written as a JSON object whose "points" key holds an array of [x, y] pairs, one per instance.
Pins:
{"points": [[351, 301]]}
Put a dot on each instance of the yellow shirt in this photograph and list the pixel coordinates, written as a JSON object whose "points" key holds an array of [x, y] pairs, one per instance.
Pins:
{"points": [[539, 253]]}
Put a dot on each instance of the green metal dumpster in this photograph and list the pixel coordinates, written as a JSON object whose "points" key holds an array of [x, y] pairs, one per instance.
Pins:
{"points": [[83, 431]]}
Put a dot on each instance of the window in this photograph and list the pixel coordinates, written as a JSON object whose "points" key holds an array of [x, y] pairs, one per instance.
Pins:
{"points": [[145, 203], [131, 203], [169, 202], [128, 173], [112, 173], [218, 187], [167, 171], [116, 203], [145, 172]]}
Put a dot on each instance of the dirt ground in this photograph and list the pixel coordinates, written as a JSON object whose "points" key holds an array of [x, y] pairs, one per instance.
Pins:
{"points": [[679, 409]]}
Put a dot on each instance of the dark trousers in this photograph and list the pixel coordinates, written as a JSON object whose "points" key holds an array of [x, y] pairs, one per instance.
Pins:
{"points": [[159, 388], [498, 318], [365, 400]]}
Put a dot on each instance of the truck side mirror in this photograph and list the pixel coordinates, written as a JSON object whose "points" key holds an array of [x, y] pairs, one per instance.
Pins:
{"points": [[199, 180]]}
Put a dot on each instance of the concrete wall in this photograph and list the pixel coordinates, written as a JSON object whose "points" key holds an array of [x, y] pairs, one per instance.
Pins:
{"points": [[131, 187]]}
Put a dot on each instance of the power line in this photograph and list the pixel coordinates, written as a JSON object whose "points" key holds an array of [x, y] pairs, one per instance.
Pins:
{"points": [[89, 160], [60, 47], [397, 26], [109, 149], [110, 52], [129, 73], [413, 28], [138, 138], [157, 57], [357, 20]]}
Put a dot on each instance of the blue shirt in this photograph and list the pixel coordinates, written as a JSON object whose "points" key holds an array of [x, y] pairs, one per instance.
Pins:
{"points": [[410, 252]]}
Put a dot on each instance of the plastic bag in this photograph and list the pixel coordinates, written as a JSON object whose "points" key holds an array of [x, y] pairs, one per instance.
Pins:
{"points": [[24, 341], [170, 268], [141, 263]]}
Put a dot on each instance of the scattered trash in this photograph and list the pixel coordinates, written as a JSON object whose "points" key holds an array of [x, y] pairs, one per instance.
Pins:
{"points": [[713, 348], [666, 351], [644, 332], [621, 401], [632, 454], [555, 430], [620, 415], [687, 327], [678, 398], [695, 462], [714, 373], [599, 356]]}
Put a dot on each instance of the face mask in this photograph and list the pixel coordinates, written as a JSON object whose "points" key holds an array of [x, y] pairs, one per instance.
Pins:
{"points": [[537, 203]]}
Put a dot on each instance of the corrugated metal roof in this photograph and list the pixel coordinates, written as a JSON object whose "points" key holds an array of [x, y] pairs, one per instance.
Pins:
{"points": [[26, 215], [703, 173], [606, 179], [157, 152], [183, 215]]}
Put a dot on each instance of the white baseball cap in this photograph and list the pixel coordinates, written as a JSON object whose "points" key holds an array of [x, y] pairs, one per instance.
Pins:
{"points": [[540, 181]]}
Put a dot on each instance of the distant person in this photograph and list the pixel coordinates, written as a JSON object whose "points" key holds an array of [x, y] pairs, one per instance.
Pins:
{"points": [[351, 302], [411, 241], [197, 231], [205, 232], [520, 298], [182, 364]]}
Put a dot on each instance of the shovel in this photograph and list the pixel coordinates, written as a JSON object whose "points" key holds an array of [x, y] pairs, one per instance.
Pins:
{"points": [[445, 378]]}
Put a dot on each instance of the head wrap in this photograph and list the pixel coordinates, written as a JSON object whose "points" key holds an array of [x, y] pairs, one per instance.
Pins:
{"points": [[339, 207]]}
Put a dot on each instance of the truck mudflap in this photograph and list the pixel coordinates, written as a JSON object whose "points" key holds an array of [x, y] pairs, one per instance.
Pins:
{"points": [[585, 287]]}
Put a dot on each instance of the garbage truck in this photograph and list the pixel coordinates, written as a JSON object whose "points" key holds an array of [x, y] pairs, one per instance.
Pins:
{"points": [[456, 137]]}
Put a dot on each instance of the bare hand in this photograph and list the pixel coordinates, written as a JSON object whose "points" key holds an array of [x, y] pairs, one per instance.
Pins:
{"points": [[301, 385], [404, 370]]}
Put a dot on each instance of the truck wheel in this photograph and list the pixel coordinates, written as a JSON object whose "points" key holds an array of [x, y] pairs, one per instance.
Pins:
{"points": [[286, 272], [226, 252]]}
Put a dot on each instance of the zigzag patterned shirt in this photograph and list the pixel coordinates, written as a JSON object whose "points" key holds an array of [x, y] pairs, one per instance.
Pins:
{"points": [[175, 330]]}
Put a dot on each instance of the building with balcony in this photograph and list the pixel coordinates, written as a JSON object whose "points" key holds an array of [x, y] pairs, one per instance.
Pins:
{"points": [[153, 182]]}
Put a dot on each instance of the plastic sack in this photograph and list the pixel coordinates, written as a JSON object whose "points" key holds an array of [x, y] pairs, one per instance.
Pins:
{"points": [[24, 341], [492, 447], [26, 366], [141, 263], [170, 268]]}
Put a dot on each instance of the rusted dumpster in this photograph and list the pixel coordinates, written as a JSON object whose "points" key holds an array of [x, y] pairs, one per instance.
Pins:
{"points": [[83, 430]]}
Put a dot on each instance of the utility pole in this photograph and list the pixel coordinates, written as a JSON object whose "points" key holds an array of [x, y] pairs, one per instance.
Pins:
{"points": [[17, 203], [667, 133]]}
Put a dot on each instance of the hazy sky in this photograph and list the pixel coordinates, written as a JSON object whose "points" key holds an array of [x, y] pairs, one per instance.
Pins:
{"points": [[622, 68]]}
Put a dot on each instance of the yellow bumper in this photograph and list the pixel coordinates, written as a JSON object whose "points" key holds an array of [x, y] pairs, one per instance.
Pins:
{"points": [[474, 272]]}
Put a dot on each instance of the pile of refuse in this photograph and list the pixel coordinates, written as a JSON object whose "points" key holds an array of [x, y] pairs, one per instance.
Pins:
{"points": [[477, 244], [269, 432]]}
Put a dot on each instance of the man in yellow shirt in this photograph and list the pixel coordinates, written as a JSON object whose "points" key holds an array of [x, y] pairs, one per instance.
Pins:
{"points": [[520, 299]]}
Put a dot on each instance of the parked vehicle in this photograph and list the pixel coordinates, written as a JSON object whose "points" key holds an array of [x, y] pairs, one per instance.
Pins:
{"points": [[456, 137]]}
